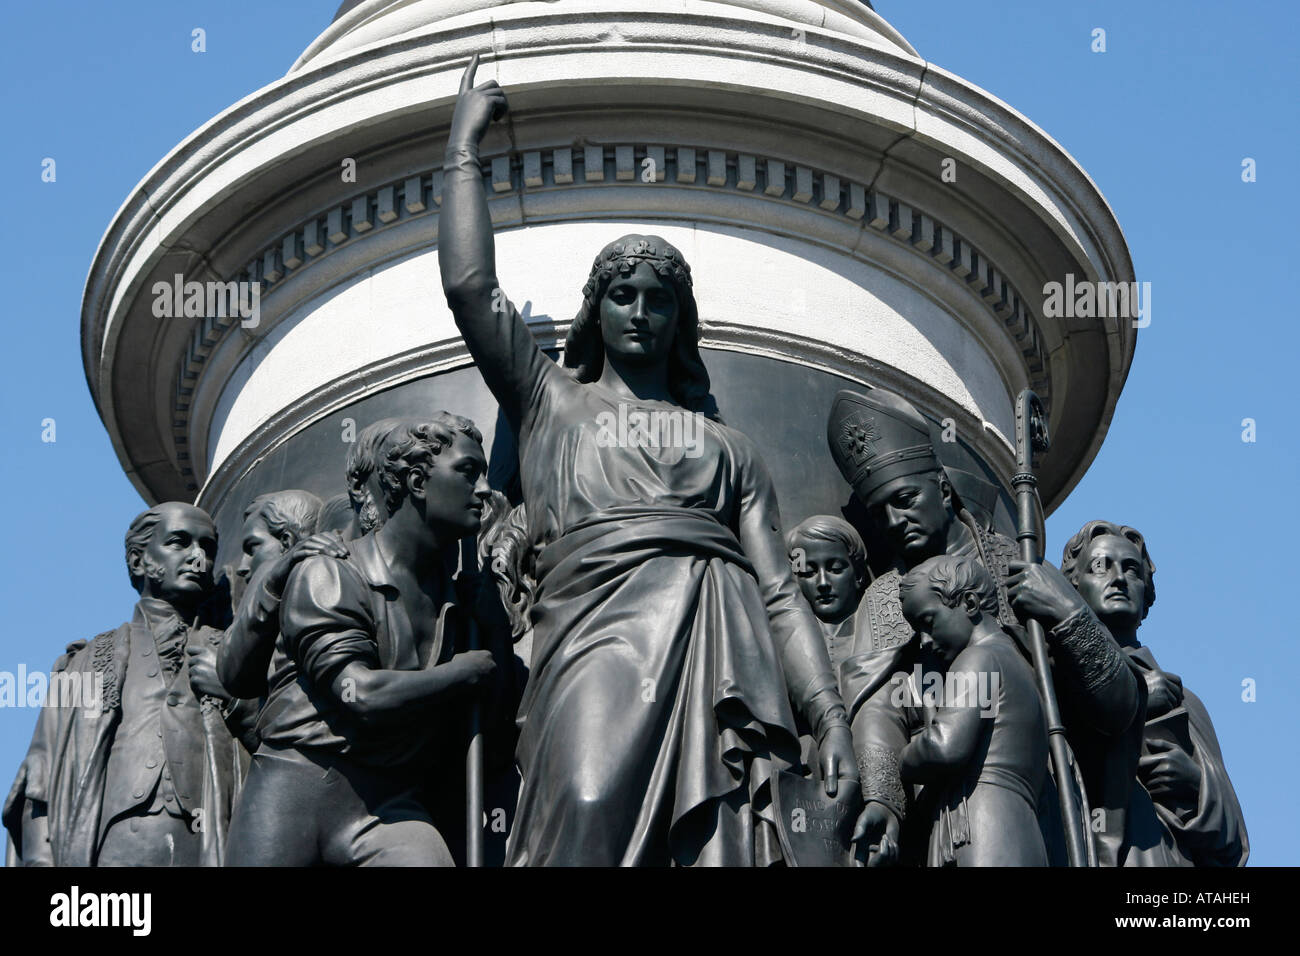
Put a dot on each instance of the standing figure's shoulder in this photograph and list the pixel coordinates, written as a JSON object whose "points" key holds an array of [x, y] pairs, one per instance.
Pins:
{"points": [[70, 653], [985, 656], [322, 573], [739, 446], [96, 653], [323, 582]]}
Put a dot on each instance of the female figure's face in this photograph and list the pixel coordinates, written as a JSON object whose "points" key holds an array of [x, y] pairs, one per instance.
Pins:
{"points": [[638, 317]]}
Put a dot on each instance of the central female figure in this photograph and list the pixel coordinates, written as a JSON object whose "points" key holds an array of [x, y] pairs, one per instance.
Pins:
{"points": [[669, 636]]}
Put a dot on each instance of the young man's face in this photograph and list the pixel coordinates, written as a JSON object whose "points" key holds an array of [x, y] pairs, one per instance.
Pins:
{"points": [[914, 515], [177, 562], [1112, 579], [944, 631], [456, 488], [258, 546], [827, 579]]}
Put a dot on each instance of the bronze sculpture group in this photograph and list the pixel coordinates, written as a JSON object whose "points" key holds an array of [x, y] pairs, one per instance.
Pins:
{"points": [[688, 663]]}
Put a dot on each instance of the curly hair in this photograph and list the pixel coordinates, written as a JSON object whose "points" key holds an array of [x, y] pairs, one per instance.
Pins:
{"points": [[1075, 547], [835, 530], [293, 512], [337, 514], [361, 464], [504, 547], [951, 576], [415, 444], [584, 347]]}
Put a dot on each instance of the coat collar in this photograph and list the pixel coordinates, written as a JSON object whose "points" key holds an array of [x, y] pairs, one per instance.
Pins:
{"points": [[156, 615]]}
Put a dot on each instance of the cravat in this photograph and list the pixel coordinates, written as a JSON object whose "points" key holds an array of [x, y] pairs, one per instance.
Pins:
{"points": [[171, 646]]}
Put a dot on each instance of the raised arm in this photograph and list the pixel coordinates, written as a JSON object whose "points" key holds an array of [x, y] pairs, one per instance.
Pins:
{"points": [[244, 656], [809, 679], [504, 350]]}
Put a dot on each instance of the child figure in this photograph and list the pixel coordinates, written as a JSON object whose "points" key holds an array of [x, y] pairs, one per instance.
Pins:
{"points": [[830, 566], [985, 748]]}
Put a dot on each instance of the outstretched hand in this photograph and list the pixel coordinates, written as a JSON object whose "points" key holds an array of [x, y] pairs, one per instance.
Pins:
{"points": [[476, 108]]}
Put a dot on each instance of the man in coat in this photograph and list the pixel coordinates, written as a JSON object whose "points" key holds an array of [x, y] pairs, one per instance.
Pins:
{"points": [[1190, 814], [146, 778]]}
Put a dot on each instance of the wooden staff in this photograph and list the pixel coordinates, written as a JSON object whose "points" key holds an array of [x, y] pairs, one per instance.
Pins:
{"points": [[1031, 437], [474, 753]]}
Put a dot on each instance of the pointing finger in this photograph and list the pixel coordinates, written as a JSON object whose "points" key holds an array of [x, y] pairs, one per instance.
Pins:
{"points": [[467, 81]]}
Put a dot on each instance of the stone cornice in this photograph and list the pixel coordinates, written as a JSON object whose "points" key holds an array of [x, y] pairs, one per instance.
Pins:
{"points": [[384, 20], [244, 160], [763, 178]]}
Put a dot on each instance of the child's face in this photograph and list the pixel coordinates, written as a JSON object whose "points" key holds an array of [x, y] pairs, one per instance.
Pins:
{"points": [[944, 631], [827, 579]]}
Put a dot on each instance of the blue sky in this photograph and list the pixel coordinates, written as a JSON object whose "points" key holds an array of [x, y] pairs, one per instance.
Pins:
{"points": [[1161, 121]]}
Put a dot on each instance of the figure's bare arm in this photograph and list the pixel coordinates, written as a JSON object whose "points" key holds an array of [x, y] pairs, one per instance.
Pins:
{"points": [[501, 344], [375, 695], [245, 653], [330, 632]]}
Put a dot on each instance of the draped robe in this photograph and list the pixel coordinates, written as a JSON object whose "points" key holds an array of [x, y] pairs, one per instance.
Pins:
{"points": [[656, 710]]}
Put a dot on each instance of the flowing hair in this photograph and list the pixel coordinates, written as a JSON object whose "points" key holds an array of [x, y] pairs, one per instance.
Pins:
{"points": [[504, 548], [584, 347]]}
